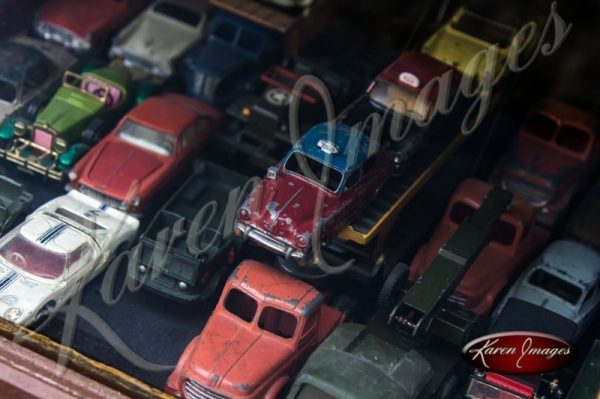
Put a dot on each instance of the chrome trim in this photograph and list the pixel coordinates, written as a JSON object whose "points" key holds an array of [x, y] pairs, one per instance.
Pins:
{"points": [[193, 390], [270, 243]]}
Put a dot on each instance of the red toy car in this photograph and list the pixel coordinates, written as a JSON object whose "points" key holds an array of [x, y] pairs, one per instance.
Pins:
{"points": [[263, 329], [151, 145], [280, 213], [515, 240], [82, 25], [552, 158]]}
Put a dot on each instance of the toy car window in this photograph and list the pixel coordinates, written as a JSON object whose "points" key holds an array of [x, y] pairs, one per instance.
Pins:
{"points": [[461, 212], [250, 41], [225, 31], [556, 286], [504, 232], [540, 125], [179, 13], [480, 389], [484, 29], [389, 95], [353, 178], [573, 139], [188, 136], [146, 138], [313, 170], [278, 322], [8, 92], [33, 258], [241, 305]]}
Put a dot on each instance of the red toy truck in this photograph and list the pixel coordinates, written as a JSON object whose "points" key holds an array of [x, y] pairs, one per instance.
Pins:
{"points": [[515, 239], [554, 153], [263, 329]]}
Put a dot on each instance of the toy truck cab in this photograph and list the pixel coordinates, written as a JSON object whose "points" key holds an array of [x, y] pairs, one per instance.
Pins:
{"points": [[263, 329], [279, 214], [235, 50], [552, 157], [514, 240], [75, 119]]}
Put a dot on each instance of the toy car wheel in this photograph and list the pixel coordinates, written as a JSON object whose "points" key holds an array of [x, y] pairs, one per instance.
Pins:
{"points": [[34, 107], [390, 290], [41, 319], [94, 132]]}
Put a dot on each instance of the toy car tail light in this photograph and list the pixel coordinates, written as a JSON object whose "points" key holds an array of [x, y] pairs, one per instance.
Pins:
{"points": [[272, 173], [42, 138]]}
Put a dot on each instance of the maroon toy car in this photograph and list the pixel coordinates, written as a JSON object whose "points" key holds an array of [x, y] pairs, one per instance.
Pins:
{"points": [[152, 145], [83, 25], [263, 329], [555, 152], [514, 241], [279, 214]]}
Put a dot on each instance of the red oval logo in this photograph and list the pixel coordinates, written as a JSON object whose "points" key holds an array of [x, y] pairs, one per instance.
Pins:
{"points": [[519, 352]]}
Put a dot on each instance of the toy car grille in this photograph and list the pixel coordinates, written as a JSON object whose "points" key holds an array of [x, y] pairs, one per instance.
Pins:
{"points": [[105, 199], [193, 390]]}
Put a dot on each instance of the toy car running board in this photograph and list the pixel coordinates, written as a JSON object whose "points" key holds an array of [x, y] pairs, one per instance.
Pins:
{"points": [[421, 303]]}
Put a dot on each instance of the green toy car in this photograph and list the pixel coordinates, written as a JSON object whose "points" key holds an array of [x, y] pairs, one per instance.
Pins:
{"points": [[83, 109]]}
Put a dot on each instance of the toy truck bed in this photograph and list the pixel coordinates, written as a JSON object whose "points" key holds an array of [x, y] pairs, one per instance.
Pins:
{"points": [[200, 272]]}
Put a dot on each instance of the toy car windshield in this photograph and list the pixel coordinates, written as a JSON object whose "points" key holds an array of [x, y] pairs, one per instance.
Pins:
{"points": [[96, 88], [146, 138], [312, 169], [555, 286], [8, 92], [483, 28], [33, 258], [389, 95]]}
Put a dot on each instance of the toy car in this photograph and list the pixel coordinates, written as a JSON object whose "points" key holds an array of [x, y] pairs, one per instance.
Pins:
{"points": [[488, 384], [466, 34], [14, 202], [160, 35], [583, 223], [558, 294], [514, 241], [84, 25], [185, 274], [234, 53], [552, 158], [372, 368], [152, 145], [55, 251], [587, 384], [263, 328], [30, 71], [279, 213], [81, 112]]}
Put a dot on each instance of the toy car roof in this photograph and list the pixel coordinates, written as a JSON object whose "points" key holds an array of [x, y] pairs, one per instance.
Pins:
{"points": [[417, 69], [567, 113], [344, 149], [287, 292], [573, 261], [17, 60]]}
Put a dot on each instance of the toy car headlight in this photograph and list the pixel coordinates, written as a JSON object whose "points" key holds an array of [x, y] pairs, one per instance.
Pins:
{"points": [[43, 30], [302, 240], [20, 129], [79, 44], [244, 213], [136, 201], [13, 314], [60, 145]]}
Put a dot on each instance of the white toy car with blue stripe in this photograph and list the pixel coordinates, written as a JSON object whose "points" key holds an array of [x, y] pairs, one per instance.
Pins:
{"points": [[58, 249]]}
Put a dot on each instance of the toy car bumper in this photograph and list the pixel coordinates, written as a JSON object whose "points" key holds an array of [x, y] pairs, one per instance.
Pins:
{"points": [[270, 243], [44, 164]]}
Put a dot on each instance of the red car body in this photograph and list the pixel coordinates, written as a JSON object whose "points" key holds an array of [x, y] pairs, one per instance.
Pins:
{"points": [[116, 165], [261, 332], [279, 214], [90, 20], [554, 153], [515, 240]]}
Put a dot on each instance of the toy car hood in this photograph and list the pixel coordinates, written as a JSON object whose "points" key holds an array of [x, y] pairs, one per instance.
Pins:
{"points": [[118, 165], [68, 107], [372, 368], [217, 60], [225, 357]]}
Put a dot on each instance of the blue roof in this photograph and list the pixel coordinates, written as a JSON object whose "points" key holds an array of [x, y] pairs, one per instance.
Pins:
{"points": [[350, 146]]}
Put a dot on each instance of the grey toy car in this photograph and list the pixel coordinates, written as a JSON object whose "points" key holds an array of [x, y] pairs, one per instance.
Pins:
{"points": [[14, 202]]}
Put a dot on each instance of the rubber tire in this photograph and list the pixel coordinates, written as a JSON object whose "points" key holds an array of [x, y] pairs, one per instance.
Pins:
{"points": [[93, 133], [49, 309], [449, 386], [388, 294]]}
